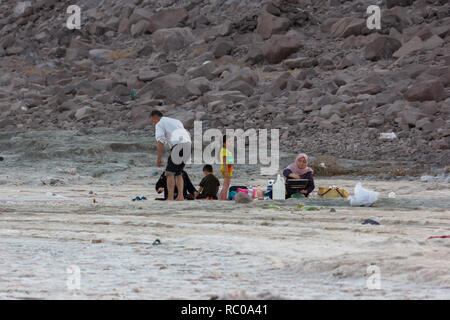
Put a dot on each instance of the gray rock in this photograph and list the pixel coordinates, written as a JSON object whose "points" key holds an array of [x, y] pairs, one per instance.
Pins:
{"points": [[83, 113], [104, 54], [382, 47], [170, 88], [205, 70], [412, 46], [346, 27], [279, 47], [167, 18], [148, 75], [426, 90], [222, 48], [202, 83], [173, 39], [243, 80], [302, 62], [281, 83], [269, 24], [139, 27]]}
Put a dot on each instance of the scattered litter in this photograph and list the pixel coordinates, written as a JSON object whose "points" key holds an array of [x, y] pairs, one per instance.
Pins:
{"points": [[370, 221], [363, 197], [438, 237], [300, 206], [312, 209], [97, 241], [427, 178], [388, 136], [272, 207], [91, 192], [1, 158], [139, 198], [392, 195], [332, 210], [55, 195], [156, 242], [95, 201], [298, 195], [332, 192]]}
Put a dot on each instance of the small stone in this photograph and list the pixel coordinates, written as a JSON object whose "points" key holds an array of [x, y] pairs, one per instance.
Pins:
{"points": [[370, 221]]}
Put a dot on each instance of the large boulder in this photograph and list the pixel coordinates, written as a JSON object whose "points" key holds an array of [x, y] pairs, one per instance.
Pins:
{"points": [[372, 85], [269, 24], [222, 48], [426, 90], [382, 47], [346, 27], [168, 18], [202, 83], [279, 47], [173, 39], [243, 80], [412, 46], [204, 70], [433, 42], [171, 88]]}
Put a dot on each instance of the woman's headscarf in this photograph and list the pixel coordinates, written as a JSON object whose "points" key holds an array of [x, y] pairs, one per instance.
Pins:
{"points": [[296, 170]]}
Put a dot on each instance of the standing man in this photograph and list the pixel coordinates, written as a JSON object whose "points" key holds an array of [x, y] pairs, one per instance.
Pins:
{"points": [[172, 132]]}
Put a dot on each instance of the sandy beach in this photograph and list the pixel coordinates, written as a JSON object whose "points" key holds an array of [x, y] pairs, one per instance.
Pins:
{"points": [[222, 249]]}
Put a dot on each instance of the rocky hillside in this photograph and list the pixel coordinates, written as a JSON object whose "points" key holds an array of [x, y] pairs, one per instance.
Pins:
{"points": [[308, 67]]}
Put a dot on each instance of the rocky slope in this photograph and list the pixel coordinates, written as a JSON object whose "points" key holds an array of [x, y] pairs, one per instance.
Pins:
{"points": [[310, 68]]}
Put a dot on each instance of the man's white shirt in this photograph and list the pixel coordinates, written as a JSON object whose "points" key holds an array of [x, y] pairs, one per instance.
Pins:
{"points": [[171, 131]]}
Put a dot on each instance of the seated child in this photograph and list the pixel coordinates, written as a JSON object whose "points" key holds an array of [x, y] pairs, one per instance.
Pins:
{"points": [[209, 186]]}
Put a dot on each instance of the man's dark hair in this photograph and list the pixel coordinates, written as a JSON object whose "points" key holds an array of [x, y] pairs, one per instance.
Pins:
{"points": [[156, 113], [208, 168]]}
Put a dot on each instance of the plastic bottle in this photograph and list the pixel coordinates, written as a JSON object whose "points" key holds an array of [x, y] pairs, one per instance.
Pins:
{"points": [[260, 193], [269, 189], [279, 189]]}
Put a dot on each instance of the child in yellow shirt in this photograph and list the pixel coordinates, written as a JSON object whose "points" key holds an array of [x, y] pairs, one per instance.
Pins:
{"points": [[226, 161]]}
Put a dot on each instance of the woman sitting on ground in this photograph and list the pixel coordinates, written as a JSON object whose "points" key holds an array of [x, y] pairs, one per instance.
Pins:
{"points": [[188, 192], [299, 170]]}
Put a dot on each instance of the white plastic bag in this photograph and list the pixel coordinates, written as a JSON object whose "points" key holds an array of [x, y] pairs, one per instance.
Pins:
{"points": [[363, 197]]}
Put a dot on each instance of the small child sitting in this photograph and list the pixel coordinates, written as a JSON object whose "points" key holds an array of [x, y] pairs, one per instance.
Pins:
{"points": [[209, 186]]}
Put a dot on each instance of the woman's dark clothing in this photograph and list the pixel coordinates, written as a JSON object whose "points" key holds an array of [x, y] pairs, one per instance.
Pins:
{"points": [[188, 187], [309, 187]]}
